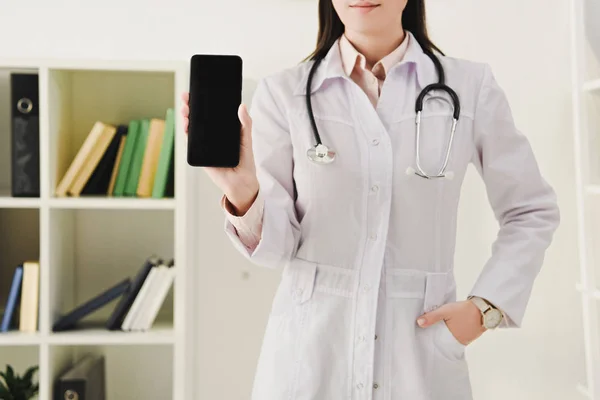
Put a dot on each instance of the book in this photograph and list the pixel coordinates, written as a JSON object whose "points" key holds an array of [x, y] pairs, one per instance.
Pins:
{"points": [[156, 132], [28, 321], [124, 166], [165, 160], [80, 158], [92, 160], [13, 300], [115, 321], [137, 159], [100, 179], [157, 297], [70, 320], [115, 170]]}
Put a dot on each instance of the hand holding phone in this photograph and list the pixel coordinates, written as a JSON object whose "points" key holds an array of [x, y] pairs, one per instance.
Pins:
{"points": [[219, 128]]}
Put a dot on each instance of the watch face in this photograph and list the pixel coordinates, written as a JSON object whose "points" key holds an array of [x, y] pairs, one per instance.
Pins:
{"points": [[492, 319]]}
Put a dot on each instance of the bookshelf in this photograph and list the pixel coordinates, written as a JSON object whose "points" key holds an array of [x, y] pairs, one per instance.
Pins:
{"points": [[87, 244], [585, 56]]}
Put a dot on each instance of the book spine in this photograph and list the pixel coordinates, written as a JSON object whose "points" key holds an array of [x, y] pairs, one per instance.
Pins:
{"points": [[166, 154], [150, 161], [13, 297], [136, 159]]}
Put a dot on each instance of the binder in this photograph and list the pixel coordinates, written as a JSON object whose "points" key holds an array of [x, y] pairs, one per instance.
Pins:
{"points": [[25, 135], [86, 380]]}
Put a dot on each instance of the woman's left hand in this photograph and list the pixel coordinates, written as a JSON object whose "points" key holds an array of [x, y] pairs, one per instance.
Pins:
{"points": [[463, 319]]}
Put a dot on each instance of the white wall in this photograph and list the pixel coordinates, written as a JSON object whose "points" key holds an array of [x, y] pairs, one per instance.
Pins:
{"points": [[527, 44]]}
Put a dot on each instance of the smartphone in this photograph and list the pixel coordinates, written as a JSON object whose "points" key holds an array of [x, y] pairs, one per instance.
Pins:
{"points": [[214, 129]]}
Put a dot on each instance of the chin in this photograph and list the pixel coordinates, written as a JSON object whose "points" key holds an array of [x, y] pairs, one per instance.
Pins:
{"points": [[367, 24], [367, 29], [364, 25]]}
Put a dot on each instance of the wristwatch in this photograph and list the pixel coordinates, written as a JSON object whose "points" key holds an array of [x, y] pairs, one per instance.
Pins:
{"points": [[492, 317]]}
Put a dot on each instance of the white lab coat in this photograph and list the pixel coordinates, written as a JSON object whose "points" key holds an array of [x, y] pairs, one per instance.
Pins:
{"points": [[366, 247]]}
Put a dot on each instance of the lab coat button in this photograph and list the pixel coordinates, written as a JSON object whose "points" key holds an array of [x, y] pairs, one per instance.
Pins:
{"points": [[298, 292], [375, 386], [360, 386], [366, 288], [375, 188], [376, 337], [374, 236], [375, 142]]}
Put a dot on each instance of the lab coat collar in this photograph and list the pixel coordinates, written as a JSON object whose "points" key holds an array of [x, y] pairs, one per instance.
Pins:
{"points": [[331, 67]]}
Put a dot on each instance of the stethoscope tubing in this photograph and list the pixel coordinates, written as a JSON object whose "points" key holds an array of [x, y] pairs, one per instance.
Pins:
{"points": [[321, 154]]}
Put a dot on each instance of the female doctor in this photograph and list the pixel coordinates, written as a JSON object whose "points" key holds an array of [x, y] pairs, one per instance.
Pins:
{"points": [[364, 224]]}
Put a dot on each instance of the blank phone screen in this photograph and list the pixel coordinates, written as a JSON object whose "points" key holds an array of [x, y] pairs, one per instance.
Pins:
{"points": [[215, 96]]}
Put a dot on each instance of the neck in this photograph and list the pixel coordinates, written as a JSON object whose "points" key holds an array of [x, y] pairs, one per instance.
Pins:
{"points": [[375, 46]]}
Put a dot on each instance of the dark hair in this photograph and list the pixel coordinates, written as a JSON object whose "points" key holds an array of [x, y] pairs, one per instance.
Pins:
{"points": [[331, 27]]}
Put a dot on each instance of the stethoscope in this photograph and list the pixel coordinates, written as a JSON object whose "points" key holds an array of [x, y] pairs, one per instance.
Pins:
{"points": [[322, 154]]}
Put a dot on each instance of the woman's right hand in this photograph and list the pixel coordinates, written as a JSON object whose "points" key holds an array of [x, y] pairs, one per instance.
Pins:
{"points": [[239, 184]]}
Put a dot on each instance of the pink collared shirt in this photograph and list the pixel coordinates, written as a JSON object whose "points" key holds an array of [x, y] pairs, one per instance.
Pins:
{"points": [[249, 226]]}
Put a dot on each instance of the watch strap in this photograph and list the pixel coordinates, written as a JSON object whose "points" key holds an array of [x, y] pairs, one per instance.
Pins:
{"points": [[482, 304]]}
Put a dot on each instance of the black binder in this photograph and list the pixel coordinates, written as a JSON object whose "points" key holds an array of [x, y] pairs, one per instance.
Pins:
{"points": [[86, 380], [25, 135]]}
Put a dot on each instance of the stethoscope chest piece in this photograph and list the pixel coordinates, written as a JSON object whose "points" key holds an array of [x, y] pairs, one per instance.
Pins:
{"points": [[320, 154]]}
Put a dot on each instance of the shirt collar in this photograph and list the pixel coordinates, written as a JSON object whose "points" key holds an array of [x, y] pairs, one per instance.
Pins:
{"points": [[352, 59], [332, 66]]}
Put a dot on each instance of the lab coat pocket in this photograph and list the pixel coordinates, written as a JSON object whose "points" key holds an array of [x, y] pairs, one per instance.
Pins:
{"points": [[439, 291], [303, 274], [277, 370], [407, 347], [449, 345], [296, 286], [448, 369]]}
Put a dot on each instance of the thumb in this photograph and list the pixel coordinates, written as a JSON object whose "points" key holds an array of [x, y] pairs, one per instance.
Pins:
{"points": [[246, 122], [432, 317], [244, 117]]}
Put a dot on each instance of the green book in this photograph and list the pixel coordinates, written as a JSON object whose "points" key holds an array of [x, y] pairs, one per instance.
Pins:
{"points": [[137, 159], [166, 154], [125, 164]]}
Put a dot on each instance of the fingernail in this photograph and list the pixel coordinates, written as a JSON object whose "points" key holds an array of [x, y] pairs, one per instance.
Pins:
{"points": [[421, 321]]}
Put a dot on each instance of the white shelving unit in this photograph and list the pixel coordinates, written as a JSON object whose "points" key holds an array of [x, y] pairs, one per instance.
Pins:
{"points": [[86, 245], [586, 112]]}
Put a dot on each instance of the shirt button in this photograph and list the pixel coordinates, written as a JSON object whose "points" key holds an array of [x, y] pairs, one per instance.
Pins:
{"points": [[298, 292], [359, 386], [366, 288], [374, 236], [375, 386], [375, 188], [375, 142]]}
